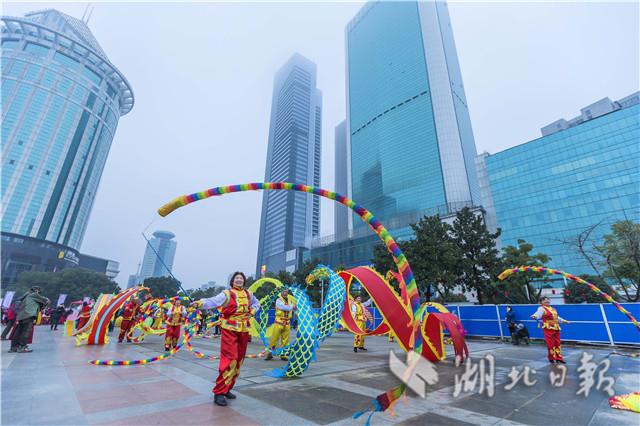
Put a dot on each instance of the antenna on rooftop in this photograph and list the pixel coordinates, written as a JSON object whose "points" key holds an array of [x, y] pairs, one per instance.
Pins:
{"points": [[84, 15], [90, 13]]}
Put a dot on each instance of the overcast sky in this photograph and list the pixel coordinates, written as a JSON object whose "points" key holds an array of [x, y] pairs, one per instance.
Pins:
{"points": [[202, 75]]}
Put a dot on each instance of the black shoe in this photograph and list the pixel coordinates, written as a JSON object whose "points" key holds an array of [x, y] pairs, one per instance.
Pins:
{"points": [[363, 349], [552, 361], [560, 361], [12, 350], [355, 350], [284, 358], [220, 400], [269, 356], [230, 395]]}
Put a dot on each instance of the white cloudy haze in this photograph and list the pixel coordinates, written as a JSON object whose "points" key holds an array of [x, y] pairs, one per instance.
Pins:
{"points": [[202, 77]]}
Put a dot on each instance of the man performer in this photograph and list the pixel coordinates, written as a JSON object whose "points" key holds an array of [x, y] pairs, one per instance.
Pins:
{"points": [[359, 312], [128, 320], [551, 329], [174, 318], [85, 314], [281, 329], [238, 306], [31, 304]]}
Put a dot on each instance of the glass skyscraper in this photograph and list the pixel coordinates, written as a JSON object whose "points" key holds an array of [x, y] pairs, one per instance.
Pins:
{"points": [[582, 173], [410, 144], [412, 147], [341, 213], [61, 101], [290, 219]]}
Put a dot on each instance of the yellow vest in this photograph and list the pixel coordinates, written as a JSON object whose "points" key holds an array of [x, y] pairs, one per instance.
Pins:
{"points": [[284, 317], [359, 312], [236, 310], [550, 318]]}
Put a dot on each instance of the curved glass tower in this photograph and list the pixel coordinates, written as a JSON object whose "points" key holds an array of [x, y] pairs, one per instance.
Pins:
{"points": [[61, 101]]}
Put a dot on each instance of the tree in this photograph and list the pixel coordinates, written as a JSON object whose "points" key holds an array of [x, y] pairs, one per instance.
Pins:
{"points": [[518, 288], [162, 286], [383, 262], [435, 257], [76, 283], [209, 292], [314, 289], [480, 257], [580, 293], [621, 254]]}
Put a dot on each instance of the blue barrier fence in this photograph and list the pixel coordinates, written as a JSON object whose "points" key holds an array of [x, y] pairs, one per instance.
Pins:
{"points": [[592, 322]]}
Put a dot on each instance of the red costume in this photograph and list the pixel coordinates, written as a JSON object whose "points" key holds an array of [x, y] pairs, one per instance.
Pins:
{"points": [[85, 314], [238, 305], [128, 321], [174, 319], [551, 330]]}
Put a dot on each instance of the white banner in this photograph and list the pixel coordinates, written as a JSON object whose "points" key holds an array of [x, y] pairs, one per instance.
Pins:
{"points": [[61, 299], [8, 298]]}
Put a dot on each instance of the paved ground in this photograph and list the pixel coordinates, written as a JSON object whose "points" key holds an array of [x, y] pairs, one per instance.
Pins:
{"points": [[55, 386]]}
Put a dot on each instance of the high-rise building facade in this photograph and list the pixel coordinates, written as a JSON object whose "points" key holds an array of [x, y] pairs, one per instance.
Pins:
{"points": [[581, 173], [290, 219], [341, 214], [61, 101], [410, 144], [410, 137], [158, 257]]}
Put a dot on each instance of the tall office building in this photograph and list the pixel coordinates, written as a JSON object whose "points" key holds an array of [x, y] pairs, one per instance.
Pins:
{"points": [[412, 146], [581, 173], [341, 214], [158, 258], [290, 219], [409, 137], [61, 101]]}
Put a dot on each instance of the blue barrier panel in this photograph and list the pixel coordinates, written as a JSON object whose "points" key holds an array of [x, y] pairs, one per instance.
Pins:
{"points": [[613, 314], [625, 333], [478, 312], [587, 321]]}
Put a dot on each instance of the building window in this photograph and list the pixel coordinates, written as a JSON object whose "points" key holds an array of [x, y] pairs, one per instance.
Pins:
{"points": [[12, 161], [30, 166]]}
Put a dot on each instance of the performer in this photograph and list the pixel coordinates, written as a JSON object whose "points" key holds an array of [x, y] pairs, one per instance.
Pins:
{"points": [[281, 329], [128, 320], [158, 317], [238, 305], [85, 314], [551, 329], [174, 318], [360, 315]]}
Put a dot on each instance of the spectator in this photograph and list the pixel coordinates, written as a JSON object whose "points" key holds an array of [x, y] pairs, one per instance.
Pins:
{"points": [[11, 319], [31, 304]]}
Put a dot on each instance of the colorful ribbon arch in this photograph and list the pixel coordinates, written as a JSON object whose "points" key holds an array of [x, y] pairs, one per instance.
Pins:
{"points": [[398, 257], [508, 272]]}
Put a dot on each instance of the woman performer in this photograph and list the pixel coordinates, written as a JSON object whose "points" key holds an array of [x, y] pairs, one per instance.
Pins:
{"points": [[551, 329], [237, 305]]}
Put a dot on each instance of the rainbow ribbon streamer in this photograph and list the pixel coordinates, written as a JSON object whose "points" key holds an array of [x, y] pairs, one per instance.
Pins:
{"points": [[508, 272]]}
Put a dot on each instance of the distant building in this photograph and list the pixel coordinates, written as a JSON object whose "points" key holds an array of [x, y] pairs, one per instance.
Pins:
{"points": [[158, 258], [290, 219]]}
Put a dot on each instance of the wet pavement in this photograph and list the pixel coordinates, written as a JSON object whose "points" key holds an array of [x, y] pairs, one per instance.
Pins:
{"points": [[54, 385]]}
